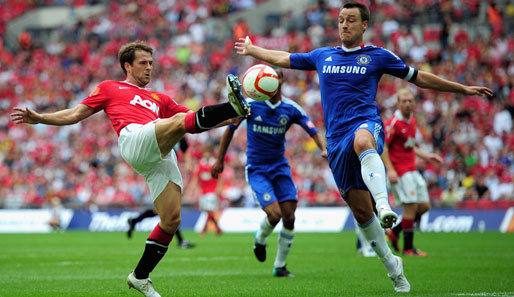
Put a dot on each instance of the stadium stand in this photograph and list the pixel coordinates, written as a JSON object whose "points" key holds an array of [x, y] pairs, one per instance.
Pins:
{"points": [[49, 69]]}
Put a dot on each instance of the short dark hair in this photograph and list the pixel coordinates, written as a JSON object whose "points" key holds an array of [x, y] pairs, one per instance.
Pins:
{"points": [[127, 52], [364, 10], [279, 72]]}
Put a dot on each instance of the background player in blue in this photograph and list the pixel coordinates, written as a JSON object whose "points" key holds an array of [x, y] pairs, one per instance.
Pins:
{"points": [[267, 169], [349, 75]]}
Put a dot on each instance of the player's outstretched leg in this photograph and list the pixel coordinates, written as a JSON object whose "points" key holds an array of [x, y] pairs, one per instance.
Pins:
{"points": [[144, 286], [209, 116], [374, 176], [259, 246], [235, 97]]}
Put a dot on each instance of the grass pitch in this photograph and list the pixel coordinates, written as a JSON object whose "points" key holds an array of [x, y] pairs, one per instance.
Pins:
{"points": [[325, 264]]}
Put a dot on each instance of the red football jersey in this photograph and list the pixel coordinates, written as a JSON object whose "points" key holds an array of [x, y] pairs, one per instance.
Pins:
{"points": [[400, 139], [207, 183], [126, 103]]}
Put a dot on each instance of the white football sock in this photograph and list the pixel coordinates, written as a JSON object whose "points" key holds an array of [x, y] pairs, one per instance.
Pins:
{"points": [[376, 238], [364, 242], [285, 241], [264, 231], [374, 176]]}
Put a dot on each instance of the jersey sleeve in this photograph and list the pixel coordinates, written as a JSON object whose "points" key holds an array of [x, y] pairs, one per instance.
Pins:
{"points": [[98, 98], [301, 118], [170, 107], [304, 61], [395, 66]]}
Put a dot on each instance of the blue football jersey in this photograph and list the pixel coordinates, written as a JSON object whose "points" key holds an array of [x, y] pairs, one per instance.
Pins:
{"points": [[267, 126], [348, 82]]}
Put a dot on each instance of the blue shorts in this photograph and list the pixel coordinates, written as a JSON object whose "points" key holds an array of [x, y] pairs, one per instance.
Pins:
{"points": [[271, 182], [343, 160]]}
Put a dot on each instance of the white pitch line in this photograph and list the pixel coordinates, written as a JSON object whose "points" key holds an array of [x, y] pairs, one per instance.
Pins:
{"points": [[487, 294]]}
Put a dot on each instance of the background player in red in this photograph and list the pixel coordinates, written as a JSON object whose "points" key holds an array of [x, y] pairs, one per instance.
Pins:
{"points": [[149, 124], [208, 187], [407, 184]]}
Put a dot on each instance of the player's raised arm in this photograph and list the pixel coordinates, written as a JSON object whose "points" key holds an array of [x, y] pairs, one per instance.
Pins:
{"points": [[218, 166], [429, 157], [245, 47], [431, 81], [58, 118]]}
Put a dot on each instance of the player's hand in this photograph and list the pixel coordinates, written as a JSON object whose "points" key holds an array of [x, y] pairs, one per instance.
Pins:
{"points": [[243, 45], [392, 176], [478, 91], [324, 154], [435, 158], [25, 116], [217, 168]]}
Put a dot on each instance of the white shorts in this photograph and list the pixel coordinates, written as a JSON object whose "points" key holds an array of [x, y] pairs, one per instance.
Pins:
{"points": [[138, 146], [411, 188], [208, 202]]}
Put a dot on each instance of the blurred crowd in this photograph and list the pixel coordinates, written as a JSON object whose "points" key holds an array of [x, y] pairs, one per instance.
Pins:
{"points": [[468, 41]]}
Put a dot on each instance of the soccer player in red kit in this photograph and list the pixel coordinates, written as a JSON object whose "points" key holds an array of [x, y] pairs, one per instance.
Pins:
{"points": [[148, 124], [210, 188], [407, 184]]}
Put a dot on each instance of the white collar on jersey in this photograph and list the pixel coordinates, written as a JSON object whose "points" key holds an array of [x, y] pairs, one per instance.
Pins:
{"points": [[399, 116], [273, 106], [353, 48], [148, 89]]}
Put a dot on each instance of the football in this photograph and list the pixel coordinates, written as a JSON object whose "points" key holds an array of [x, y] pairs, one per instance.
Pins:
{"points": [[260, 82]]}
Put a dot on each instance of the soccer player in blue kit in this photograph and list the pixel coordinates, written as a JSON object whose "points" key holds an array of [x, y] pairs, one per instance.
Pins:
{"points": [[267, 169], [349, 75]]}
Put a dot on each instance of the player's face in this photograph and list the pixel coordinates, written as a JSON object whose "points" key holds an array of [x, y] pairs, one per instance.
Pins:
{"points": [[406, 104], [140, 72], [351, 27]]}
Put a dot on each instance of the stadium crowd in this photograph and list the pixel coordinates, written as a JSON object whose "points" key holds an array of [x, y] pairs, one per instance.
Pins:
{"points": [[467, 41]]}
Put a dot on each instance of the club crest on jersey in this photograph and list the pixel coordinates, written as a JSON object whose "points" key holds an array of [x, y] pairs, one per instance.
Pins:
{"points": [[266, 197], [155, 96], [341, 191], [95, 92], [283, 120], [363, 60]]}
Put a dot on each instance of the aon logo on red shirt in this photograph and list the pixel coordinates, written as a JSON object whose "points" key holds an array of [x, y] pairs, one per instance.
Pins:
{"points": [[146, 104]]}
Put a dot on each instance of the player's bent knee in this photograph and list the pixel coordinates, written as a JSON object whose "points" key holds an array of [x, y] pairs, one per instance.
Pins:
{"points": [[362, 142], [361, 215], [170, 223], [288, 222], [274, 217]]}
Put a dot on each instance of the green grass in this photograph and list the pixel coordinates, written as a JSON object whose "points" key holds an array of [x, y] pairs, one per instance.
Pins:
{"points": [[325, 264]]}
